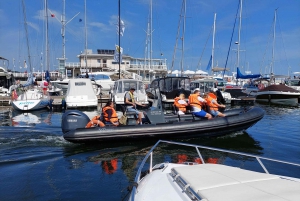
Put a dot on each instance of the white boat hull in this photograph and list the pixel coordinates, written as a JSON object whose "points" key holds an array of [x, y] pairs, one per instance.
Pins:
{"points": [[29, 105]]}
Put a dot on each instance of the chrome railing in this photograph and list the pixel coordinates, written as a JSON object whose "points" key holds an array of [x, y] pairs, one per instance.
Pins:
{"points": [[150, 154]]}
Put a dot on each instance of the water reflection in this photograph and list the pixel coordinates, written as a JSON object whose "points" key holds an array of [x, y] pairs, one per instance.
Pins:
{"points": [[126, 156], [30, 119]]}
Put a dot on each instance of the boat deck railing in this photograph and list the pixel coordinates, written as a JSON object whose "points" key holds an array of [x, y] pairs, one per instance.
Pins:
{"points": [[197, 147]]}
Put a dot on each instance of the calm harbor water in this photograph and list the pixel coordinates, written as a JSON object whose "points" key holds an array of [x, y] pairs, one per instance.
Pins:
{"points": [[36, 162]]}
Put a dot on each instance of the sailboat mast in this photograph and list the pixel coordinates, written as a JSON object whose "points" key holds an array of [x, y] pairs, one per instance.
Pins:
{"points": [[239, 35], [150, 63], [273, 48], [213, 43], [85, 36], [27, 39], [46, 36], [119, 34], [183, 32], [63, 31]]}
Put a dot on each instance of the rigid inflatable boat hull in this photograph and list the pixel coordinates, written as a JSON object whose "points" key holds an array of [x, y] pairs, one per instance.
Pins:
{"points": [[234, 121]]}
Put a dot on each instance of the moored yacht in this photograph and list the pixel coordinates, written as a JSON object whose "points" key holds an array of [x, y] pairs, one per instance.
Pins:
{"points": [[279, 94]]}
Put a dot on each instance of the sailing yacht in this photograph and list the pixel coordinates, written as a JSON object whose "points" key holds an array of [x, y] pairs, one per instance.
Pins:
{"points": [[31, 98], [278, 94]]}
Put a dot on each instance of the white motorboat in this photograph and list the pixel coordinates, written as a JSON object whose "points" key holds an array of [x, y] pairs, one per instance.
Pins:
{"points": [[101, 78], [213, 181], [80, 93], [279, 95], [122, 86], [64, 84]]}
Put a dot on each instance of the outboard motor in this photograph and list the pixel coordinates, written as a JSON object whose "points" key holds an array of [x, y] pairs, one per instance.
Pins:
{"points": [[73, 119]]}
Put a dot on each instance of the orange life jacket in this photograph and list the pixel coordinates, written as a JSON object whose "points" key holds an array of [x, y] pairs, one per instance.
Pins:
{"points": [[193, 101], [212, 106], [212, 95], [181, 107], [114, 116], [95, 122]]}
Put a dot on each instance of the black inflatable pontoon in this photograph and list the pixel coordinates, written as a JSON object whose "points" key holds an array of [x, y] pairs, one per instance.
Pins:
{"points": [[158, 125]]}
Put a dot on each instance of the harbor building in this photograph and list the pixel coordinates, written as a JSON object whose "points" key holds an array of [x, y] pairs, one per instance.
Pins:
{"points": [[104, 60]]}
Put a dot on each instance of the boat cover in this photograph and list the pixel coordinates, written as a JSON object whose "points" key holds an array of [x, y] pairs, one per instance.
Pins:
{"points": [[239, 75]]}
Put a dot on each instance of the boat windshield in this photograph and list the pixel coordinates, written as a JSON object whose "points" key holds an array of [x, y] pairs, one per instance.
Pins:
{"points": [[295, 82], [204, 86], [124, 86], [170, 84], [99, 77]]}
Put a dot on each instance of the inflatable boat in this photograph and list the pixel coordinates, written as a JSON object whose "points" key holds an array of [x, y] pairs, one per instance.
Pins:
{"points": [[158, 125]]}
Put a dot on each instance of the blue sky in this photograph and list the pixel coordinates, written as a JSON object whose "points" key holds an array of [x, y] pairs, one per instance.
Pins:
{"points": [[256, 32]]}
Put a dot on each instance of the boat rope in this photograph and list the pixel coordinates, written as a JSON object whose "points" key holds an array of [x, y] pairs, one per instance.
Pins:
{"points": [[231, 38], [199, 62]]}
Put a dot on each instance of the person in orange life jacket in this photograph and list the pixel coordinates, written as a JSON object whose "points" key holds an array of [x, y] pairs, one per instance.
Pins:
{"points": [[196, 102], [181, 104], [95, 121], [213, 105], [110, 115], [130, 103]]}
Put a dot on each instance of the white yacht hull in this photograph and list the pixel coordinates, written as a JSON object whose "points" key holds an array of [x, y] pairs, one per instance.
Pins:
{"points": [[29, 105]]}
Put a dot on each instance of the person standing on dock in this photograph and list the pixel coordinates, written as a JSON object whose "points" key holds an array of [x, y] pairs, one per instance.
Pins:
{"points": [[196, 103]]}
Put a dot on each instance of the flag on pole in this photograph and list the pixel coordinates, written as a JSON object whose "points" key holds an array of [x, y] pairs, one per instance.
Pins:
{"points": [[25, 64], [118, 52], [122, 25], [209, 63]]}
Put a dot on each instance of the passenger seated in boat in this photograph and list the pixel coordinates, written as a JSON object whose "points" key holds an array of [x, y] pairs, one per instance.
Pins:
{"points": [[131, 104], [95, 121], [110, 115], [180, 104], [196, 103], [213, 105]]}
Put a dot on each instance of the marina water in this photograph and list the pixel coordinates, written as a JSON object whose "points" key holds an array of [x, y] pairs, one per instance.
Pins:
{"points": [[36, 162]]}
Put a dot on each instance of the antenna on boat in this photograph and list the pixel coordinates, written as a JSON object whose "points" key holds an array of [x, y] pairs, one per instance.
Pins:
{"points": [[63, 23]]}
